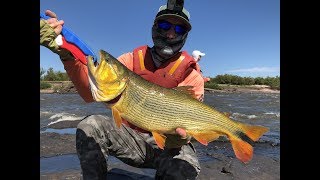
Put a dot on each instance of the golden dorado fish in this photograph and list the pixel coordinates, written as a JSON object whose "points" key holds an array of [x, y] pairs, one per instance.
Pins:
{"points": [[161, 110]]}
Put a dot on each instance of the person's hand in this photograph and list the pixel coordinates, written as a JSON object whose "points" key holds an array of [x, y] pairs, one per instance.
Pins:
{"points": [[53, 22], [206, 79], [49, 30], [177, 140]]}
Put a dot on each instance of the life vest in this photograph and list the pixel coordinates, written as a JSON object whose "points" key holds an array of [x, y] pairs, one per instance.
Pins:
{"points": [[169, 74]]}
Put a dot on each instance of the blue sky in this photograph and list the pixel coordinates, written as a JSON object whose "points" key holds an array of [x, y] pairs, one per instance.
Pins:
{"points": [[239, 37]]}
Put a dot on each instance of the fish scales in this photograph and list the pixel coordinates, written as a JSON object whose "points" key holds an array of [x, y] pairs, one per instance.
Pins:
{"points": [[149, 106]]}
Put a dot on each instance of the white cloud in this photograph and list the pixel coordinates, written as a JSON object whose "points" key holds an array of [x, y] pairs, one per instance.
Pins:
{"points": [[256, 70]]}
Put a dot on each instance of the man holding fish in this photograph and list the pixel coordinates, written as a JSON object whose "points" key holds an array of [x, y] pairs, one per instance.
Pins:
{"points": [[163, 64]]}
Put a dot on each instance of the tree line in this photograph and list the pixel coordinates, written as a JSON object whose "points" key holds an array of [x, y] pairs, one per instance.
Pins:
{"points": [[273, 82], [51, 75]]}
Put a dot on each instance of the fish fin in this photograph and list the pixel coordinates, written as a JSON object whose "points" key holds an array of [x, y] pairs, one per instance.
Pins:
{"points": [[116, 116], [186, 90], [160, 139], [254, 132], [205, 138], [241, 143], [242, 149]]}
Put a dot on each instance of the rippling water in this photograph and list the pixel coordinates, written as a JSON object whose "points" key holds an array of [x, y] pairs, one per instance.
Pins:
{"points": [[252, 108]]}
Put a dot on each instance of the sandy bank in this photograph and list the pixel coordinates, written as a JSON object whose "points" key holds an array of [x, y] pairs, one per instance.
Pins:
{"points": [[243, 89]]}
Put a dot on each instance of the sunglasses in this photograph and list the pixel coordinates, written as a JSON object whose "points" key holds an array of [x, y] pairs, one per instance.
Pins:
{"points": [[165, 25]]}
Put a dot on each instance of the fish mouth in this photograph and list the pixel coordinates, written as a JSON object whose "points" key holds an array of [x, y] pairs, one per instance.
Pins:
{"points": [[106, 78]]}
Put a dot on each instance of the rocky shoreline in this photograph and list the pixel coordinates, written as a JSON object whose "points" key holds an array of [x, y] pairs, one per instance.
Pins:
{"points": [[222, 164]]}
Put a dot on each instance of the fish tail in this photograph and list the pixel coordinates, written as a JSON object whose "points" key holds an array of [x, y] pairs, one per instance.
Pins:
{"points": [[242, 141], [254, 132]]}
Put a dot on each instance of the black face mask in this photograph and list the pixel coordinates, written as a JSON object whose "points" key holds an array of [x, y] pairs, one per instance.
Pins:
{"points": [[167, 48]]}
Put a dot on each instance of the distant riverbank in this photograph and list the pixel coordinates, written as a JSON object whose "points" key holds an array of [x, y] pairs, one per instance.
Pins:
{"points": [[243, 89], [59, 87], [68, 87]]}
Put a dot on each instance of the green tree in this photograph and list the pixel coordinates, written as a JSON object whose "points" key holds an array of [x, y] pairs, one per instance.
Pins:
{"points": [[50, 76], [55, 75], [259, 81], [248, 81]]}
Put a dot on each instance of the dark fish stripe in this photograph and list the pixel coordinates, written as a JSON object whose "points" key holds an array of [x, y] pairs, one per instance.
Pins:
{"points": [[244, 137]]}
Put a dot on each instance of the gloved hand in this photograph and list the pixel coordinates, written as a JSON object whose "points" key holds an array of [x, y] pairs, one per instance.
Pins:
{"points": [[49, 30], [177, 140]]}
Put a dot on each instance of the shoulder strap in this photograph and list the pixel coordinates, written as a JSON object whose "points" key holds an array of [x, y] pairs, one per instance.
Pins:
{"points": [[139, 54]]}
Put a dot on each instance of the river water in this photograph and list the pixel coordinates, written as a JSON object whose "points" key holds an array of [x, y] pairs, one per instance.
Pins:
{"points": [[251, 108]]}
